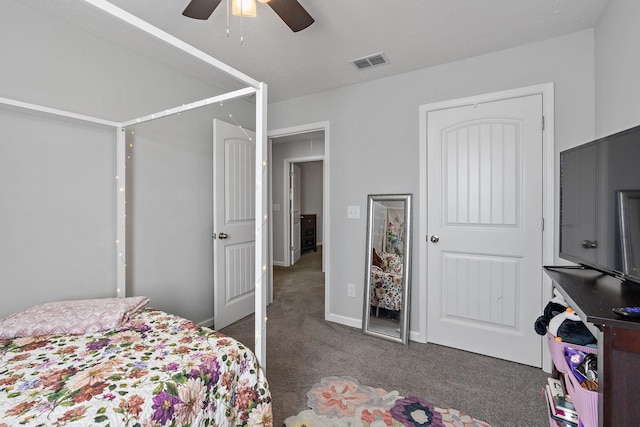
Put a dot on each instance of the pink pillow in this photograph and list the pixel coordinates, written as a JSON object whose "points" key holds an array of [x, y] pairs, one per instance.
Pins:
{"points": [[71, 317]]}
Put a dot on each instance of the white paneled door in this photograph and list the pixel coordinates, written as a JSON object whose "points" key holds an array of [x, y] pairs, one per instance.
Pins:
{"points": [[485, 228], [233, 223]]}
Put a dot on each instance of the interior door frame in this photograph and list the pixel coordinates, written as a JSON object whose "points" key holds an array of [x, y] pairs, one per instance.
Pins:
{"points": [[548, 191], [326, 243]]}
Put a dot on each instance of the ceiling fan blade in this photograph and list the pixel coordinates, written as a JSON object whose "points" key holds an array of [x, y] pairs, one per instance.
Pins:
{"points": [[201, 9], [292, 13]]}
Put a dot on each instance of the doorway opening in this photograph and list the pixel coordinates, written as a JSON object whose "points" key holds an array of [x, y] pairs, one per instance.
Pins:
{"points": [[306, 147], [302, 196]]}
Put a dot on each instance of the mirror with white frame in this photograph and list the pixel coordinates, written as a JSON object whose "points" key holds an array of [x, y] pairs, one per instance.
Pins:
{"points": [[388, 267]]}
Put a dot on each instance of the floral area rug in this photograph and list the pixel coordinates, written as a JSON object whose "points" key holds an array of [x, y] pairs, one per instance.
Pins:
{"points": [[344, 402]]}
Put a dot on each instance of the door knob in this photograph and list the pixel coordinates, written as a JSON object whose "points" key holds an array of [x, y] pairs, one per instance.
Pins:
{"points": [[435, 239], [222, 235]]}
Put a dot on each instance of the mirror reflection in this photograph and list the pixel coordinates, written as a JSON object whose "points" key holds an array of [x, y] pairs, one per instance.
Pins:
{"points": [[387, 270]]}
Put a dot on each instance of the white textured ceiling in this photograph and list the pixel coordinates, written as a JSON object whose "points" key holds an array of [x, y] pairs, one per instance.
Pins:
{"points": [[413, 34]]}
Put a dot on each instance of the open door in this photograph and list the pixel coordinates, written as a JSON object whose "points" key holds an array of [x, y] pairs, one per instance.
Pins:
{"points": [[233, 223], [294, 212]]}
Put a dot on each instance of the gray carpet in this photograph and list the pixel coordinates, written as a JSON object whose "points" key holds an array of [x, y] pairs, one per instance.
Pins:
{"points": [[302, 348]]}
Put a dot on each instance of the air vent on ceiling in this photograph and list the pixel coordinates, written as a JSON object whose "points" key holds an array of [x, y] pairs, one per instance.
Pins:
{"points": [[370, 61]]}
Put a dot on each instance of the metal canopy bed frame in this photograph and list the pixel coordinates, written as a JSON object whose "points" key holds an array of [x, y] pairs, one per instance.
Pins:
{"points": [[253, 87]]}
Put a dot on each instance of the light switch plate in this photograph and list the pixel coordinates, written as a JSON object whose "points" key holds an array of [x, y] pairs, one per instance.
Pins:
{"points": [[353, 212], [351, 290]]}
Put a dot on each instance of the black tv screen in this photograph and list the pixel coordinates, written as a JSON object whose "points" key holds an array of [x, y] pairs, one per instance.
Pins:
{"points": [[600, 204]]}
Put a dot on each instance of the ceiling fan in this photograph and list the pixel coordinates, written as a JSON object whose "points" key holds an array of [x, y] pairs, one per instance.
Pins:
{"points": [[290, 11]]}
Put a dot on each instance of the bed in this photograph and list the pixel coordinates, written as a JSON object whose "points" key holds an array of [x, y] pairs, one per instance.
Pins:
{"points": [[253, 88], [152, 369], [143, 366]]}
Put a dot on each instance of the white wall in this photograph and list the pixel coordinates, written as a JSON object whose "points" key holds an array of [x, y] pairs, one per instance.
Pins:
{"points": [[617, 37], [57, 179], [374, 137], [57, 211]]}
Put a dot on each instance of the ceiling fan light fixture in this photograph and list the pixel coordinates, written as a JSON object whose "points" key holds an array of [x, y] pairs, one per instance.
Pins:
{"points": [[245, 8], [290, 11]]}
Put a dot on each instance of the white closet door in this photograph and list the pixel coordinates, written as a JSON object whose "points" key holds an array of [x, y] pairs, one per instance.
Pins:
{"points": [[485, 228]]}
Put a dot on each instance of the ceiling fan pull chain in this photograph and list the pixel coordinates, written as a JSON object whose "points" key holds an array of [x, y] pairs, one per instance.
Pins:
{"points": [[228, 18], [241, 33]]}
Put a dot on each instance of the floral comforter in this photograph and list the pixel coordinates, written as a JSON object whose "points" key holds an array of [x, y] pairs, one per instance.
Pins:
{"points": [[157, 370]]}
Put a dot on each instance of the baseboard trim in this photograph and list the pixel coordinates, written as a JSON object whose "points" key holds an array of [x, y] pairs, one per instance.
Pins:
{"points": [[416, 336], [357, 323], [278, 263], [344, 320], [207, 322]]}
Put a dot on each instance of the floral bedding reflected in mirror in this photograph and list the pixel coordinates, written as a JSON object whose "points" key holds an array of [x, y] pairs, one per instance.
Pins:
{"points": [[387, 267]]}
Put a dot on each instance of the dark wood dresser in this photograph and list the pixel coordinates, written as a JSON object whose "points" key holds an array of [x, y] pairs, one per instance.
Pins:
{"points": [[593, 295], [308, 232]]}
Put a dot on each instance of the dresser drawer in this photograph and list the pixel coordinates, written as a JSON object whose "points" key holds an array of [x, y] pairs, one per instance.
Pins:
{"points": [[309, 243], [308, 232]]}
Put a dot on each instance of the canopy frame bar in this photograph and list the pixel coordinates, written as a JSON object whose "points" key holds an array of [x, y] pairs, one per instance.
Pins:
{"points": [[190, 106]]}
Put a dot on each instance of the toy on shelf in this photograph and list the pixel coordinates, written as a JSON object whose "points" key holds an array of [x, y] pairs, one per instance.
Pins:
{"points": [[554, 307], [568, 327], [563, 322]]}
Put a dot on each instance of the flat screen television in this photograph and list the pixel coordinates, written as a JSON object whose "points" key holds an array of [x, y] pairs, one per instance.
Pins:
{"points": [[600, 204]]}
